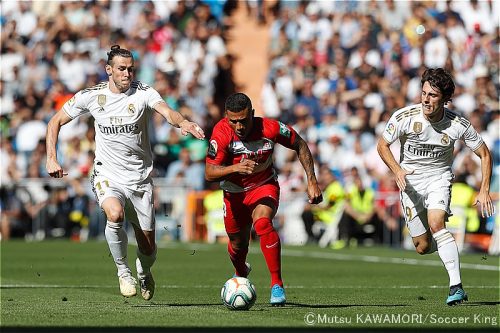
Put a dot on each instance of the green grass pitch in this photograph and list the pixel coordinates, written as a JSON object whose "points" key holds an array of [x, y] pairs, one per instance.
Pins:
{"points": [[61, 284]]}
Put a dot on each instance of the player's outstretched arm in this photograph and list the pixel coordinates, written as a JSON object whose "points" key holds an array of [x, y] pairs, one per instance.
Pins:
{"points": [[307, 161], [176, 119], [386, 155], [53, 128], [483, 197]]}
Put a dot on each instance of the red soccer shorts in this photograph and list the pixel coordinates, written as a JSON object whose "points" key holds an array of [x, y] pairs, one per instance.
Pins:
{"points": [[238, 207]]}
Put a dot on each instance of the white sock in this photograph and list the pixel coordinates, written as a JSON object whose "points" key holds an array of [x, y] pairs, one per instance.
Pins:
{"points": [[433, 248], [448, 252], [144, 262], [117, 242]]}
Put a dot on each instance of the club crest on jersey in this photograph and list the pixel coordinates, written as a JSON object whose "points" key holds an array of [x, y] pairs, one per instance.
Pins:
{"points": [[417, 127], [101, 100], [445, 140], [212, 148], [131, 109], [284, 130]]}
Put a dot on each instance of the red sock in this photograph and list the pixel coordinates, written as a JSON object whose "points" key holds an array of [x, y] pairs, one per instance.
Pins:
{"points": [[238, 259], [271, 248]]}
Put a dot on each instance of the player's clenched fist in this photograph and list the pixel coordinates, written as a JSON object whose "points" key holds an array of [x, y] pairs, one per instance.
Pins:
{"points": [[246, 167], [54, 169]]}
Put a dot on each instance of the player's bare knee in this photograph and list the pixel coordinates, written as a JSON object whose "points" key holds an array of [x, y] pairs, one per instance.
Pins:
{"points": [[114, 215], [435, 227]]}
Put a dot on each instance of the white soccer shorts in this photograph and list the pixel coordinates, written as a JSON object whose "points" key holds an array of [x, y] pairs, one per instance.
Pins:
{"points": [[137, 202], [424, 192]]}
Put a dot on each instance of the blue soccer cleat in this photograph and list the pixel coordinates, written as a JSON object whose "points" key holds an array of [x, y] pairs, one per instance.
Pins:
{"points": [[458, 297], [249, 269], [278, 297]]}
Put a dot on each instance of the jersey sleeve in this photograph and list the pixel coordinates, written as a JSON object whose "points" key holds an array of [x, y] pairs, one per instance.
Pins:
{"points": [[217, 147], [153, 97], [77, 105], [472, 138], [392, 130], [283, 134]]}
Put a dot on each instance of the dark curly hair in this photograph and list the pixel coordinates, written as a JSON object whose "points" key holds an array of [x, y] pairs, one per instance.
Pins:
{"points": [[440, 79], [116, 50], [238, 102]]}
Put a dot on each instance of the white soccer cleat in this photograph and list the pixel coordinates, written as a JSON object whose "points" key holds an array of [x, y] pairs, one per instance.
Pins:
{"points": [[127, 284], [147, 286], [146, 281]]}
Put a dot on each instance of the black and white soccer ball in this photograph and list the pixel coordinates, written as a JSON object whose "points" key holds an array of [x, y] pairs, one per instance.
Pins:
{"points": [[238, 293]]}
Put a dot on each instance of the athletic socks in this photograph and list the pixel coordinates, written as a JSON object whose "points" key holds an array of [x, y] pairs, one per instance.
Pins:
{"points": [[144, 263], [238, 258], [433, 247], [271, 248], [117, 242], [448, 252]]}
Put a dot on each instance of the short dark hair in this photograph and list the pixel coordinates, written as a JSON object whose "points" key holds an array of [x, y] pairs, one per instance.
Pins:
{"points": [[440, 79], [116, 50], [238, 102]]}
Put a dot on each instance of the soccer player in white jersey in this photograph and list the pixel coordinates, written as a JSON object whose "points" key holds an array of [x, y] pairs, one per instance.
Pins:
{"points": [[427, 132], [121, 179]]}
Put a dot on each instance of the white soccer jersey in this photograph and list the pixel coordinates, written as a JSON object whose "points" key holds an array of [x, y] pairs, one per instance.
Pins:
{"points": [[429, 146], [123, 151]]}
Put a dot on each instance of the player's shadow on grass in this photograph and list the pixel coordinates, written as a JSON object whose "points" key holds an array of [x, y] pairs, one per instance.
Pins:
{"points": [[164, 305], [479, 303], [325, 306]]}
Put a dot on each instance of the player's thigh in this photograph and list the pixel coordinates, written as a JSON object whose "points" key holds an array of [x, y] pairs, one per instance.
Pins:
{"points": [[237, 216], [438, 201], [139, 209], [263, 201], [415, 213], [110, 196]]}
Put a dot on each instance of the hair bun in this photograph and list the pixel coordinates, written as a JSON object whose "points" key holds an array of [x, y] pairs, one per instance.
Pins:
{"points": [[115, 47]]}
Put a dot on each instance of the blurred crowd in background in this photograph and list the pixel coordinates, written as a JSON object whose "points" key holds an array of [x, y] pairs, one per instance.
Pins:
{"points": [[337, 71]]}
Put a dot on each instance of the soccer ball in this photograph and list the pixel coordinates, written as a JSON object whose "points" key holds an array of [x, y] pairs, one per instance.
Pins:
{"points": [[238, 293]]}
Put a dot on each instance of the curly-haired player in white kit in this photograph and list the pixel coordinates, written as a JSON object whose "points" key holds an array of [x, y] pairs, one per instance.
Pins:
{"points": [[427, 132]]}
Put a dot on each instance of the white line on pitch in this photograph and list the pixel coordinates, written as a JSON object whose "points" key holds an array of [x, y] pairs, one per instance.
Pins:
{"points": [[385, 260], [353, 257], [90, 286]]}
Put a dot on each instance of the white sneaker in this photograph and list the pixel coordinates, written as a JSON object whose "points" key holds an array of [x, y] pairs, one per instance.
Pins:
{"points": [[146, 282], [127, 284]]}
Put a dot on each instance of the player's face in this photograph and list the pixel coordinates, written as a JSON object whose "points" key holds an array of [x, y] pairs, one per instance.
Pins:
{"points": [[241, 122], [432, 101], [122, 72]]}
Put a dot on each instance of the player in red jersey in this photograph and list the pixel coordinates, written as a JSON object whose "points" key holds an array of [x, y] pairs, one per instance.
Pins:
{"points": [[240, 156]]}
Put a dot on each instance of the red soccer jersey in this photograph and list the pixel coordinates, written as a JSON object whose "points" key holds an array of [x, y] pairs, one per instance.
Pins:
{"points": [[226, 148]]}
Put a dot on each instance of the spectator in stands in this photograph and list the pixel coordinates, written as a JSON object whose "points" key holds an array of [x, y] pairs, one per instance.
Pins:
{"points": [[185, 171], [359, 221]]}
